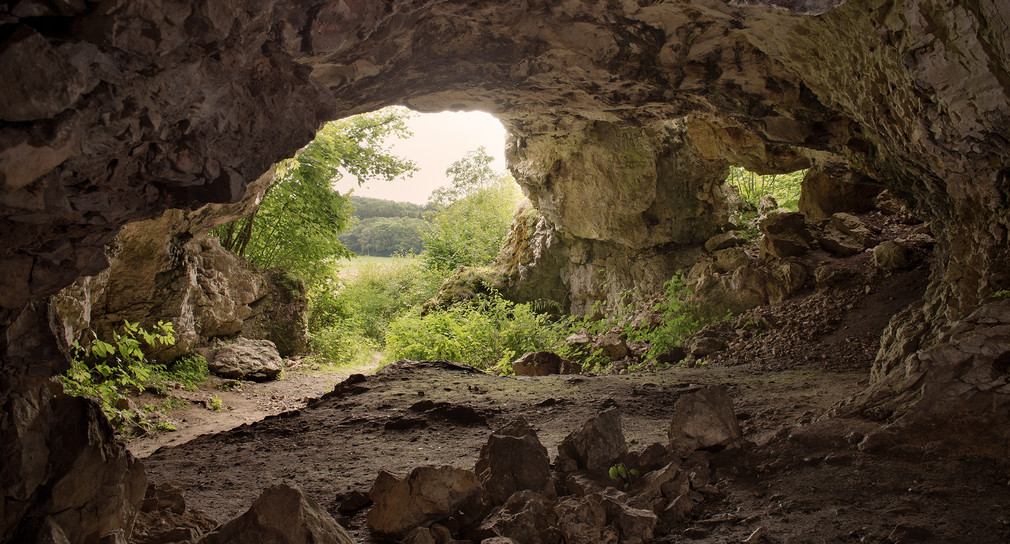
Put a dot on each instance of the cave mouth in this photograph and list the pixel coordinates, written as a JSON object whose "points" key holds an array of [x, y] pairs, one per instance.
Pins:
{"points": [[123, 112]]}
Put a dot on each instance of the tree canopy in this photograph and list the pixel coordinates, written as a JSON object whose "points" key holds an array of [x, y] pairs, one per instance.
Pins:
{"points": [[300, 216]]}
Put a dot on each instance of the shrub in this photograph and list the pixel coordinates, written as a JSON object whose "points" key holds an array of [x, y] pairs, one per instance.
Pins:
{"points": [[107, 371], [784, 187], [487, 333]]}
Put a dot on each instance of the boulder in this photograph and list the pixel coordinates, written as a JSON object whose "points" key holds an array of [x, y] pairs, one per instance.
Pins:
{"points": [[890, 256], [526, 517], [537, 363], [281, 515], [730, 259], [702, 345], [170, 495], [247, 359], [724, 241], [612, 346], [854, 228], [426, 494], [513, 459], [583, 520], [767, 205], [596, 445], [704, 419], [785, 234], [822, 195]]}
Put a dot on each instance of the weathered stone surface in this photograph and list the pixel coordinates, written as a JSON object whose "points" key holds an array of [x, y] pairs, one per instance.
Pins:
{"points": [[62, 462], [603, 517], [527, 517], [725, 240], [822, 195], [513, 459], [890, 256], [730, 259], [281, 515], [785, 234], [169, 495], [537, 363], [426, 494], [611, 345], [597, 444], [704, 419], [247, 359]]}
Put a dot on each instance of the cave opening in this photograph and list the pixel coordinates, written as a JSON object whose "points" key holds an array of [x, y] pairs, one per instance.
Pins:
{"points": [[119, 112]]}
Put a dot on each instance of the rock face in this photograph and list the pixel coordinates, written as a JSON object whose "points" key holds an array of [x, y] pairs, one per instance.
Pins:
{"points": [[160, 271], [281, 515], [622, 117]]}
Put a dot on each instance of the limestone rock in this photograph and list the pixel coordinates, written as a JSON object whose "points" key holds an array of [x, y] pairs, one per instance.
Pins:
{"points": [[785, 234], [730, 259], [513, 459], [538, 363], [853, 227], [612, 345], [704, 419], [767, 205], [527, 517], [822, 195], [597, 444], [583, 520], [890, 256], [725, 240], [426, 494], [169, 495], [282, 515], [247, 359]]}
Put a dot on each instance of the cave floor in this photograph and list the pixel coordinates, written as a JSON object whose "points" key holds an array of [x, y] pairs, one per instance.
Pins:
{"points": [[808, 478], [804, 481]]}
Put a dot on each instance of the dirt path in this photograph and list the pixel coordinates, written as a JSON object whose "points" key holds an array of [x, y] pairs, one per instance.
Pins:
{"points": [[220, 405]]}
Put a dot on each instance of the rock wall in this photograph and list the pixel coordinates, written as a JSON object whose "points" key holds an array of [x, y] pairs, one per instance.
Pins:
{"points": [[117, 111]]}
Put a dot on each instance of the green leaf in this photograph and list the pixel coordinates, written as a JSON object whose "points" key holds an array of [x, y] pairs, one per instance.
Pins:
{"points": [[615, 474]]}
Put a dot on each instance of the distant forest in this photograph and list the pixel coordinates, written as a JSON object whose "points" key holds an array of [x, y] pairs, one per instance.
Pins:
{"points": [[384, 227]]}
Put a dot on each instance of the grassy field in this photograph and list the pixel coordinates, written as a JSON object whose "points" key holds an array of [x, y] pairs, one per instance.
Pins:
{"points": [[356, 264]]}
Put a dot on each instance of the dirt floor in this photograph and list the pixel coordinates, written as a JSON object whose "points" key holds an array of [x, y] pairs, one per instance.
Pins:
{"points": [[807, 478]]}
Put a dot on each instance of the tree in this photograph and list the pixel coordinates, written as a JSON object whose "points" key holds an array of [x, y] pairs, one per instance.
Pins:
{"points": [[300, 216], [471, 228]]}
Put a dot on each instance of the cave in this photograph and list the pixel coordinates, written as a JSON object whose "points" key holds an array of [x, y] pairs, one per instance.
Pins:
{"points": [[116, 112]]}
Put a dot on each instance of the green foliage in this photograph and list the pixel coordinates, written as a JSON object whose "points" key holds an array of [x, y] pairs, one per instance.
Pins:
{"points": [[367, 208], [300, 216], [107, 371], [386, 236], [681, 319], [348, 318], [216, 404], [486, 332], [784, 187], [189, 370], [1002, 294], [471, 229], [622, 474]]}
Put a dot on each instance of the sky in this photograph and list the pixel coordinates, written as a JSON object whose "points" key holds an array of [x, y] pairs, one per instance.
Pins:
{"points": [[439, 140]]}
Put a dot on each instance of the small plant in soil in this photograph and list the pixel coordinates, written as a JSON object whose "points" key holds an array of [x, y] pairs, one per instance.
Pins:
{"points": [[623, 475]]}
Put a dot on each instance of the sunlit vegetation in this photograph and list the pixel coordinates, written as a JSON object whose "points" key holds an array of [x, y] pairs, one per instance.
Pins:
{"points": [[785, 188]]}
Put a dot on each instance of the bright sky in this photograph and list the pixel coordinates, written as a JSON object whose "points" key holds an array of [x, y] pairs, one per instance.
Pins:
{"points": [[439, 140]]}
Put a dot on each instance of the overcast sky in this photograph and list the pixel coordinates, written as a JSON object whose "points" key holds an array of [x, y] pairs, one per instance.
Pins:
{"points": [[439, 140]]}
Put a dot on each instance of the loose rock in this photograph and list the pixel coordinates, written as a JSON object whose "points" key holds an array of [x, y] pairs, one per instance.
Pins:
{"points": [[596, 445], [704, 419], [247, 359], [281, 515], [426, 494]]}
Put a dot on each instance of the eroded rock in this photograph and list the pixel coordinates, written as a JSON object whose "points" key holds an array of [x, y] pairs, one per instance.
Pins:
{"points": [[282, 515], [596, 445], [704, 419], [426, 494], [513, 459], [247, 359]]}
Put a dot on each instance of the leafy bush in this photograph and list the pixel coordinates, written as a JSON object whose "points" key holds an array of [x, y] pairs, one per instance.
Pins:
{"points": [[681, 319], [487, 333], [189, 370], [107, 371], [348, 318]]}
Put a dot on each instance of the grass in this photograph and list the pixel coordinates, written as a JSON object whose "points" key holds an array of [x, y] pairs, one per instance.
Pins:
{"points": [[355, 265]]}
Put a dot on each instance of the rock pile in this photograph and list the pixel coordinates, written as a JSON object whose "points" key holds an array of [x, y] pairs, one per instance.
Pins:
{"points": [[597, 491]]}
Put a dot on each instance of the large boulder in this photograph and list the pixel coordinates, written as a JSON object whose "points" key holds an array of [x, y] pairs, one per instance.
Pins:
{"points": [[281, 515], [426, 494], [704, 419], [513, 459], [246, 359], [822, 195], [785, 234], [596, 445]]}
